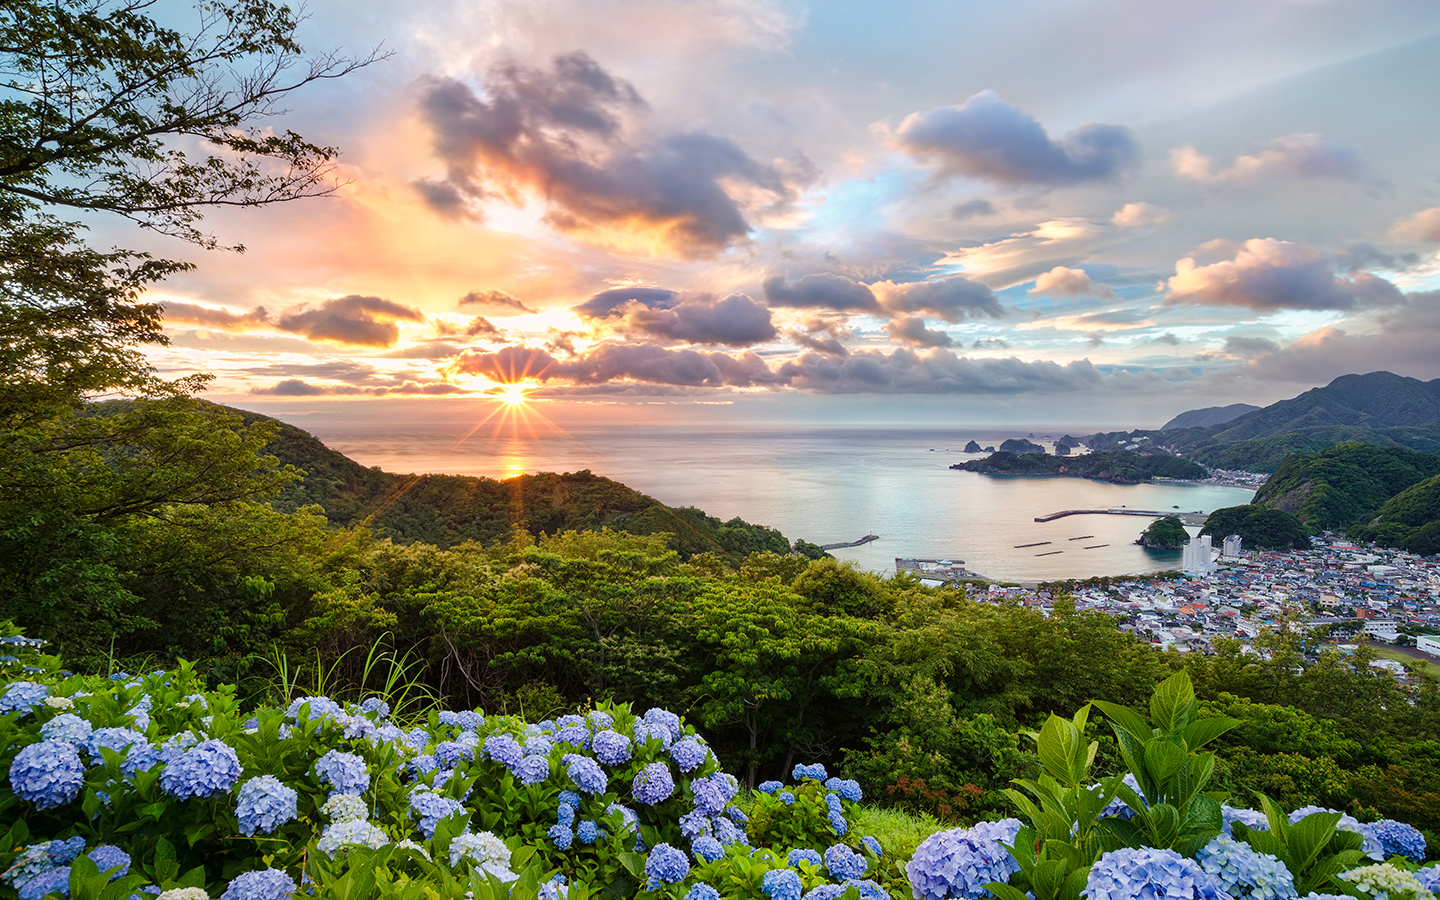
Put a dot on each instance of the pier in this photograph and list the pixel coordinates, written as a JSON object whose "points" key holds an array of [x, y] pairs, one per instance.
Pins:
{"points": [[864, 540], [1188, 518]]}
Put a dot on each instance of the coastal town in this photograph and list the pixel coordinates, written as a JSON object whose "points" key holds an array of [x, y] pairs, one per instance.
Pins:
{"points": [[1351, 592]]}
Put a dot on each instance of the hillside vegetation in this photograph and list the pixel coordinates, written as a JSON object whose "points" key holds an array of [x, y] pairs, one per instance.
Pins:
{"points": [[1116, 466], [1378, 408]]}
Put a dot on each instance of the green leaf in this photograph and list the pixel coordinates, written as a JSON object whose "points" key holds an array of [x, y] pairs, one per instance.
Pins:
{"points": [[1203, 731], [1173, 703], [1126, 718], [165, 867]]}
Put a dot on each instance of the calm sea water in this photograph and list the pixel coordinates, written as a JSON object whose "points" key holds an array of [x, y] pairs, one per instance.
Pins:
{"points": [[826, 486]]}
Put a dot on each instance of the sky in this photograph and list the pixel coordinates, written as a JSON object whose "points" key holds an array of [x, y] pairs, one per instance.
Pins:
{"points": [[683, 211]]}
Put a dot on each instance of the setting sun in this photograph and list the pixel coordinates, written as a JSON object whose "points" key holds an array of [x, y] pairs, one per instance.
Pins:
{"points": [[512, 395]]}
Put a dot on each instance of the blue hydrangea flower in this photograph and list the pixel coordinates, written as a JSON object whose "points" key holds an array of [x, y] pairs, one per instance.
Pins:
{"points": [[611, 748], [532, 770], [452, 753], [67, 727], [205, 770], [429, 808], [554, 889], [346, 773], [569, 798], [824, 892], [47, 774], [1371, 848], [351, 833], [1245, 874], [314, 709], [707, 796], [642, 731], [868, 889], [418, 738], [727, 834], [22, 697], [695, 823], [261, 884], [504, 749], [569, 720], [42, 857], [666, 719], [958, 863], [832, 803], [769, 787], [628, 816], [117, 739], [706, 849], [561, 836], [1146, 873], [845, 787], [872, 845], [1429, 878], [804, 853], [565, 815], [585, 773], [802, 772], [538, 746], [782, 884], [49, 882], [702, 891], [1248, 817], [688, 754], [653, 784], [587, 831], [599, 720], [665, 865], [1399, 839], [574, 735], [375, 706], [109, 856], [729, 785], [838, 823], [842, 862], [787, 798], [265, 804], [736, 815]]}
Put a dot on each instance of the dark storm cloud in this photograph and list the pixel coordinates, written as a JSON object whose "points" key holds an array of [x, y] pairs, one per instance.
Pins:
{"points": [[972, 209], [820, 292], [1267, 274], [562, 134], [496, 303], [988, 138], [911, 330], [952, 299], [355, 320]]}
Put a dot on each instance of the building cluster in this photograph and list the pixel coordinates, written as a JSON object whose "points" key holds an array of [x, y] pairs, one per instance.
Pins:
{"points": [[1382, 594]]}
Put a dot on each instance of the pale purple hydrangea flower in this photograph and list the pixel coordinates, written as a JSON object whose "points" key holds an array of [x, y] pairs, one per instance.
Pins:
{"points": [[842, 862], [706, 849], [205, 770], [346, 773], [688, 754], [959, 863], [533, 769], [585, 773], [265, 804], [1244, 873], [504, 749], [667, 719], [429, 809], [708, 798], [318, 708], [665, 865], [782, 884], [261, 884], [1150, 874], [611, 748]]}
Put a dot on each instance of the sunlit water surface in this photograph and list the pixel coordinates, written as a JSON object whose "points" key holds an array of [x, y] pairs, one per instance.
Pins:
{"points": [[825, 486]]}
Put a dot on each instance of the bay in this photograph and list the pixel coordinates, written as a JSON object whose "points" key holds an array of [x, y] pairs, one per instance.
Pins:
{"points": [[825, 486]]}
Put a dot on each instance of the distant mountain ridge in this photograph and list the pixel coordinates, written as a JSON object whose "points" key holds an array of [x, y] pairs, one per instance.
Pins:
{"points": [[445, 510], [1210, 415], [1379, 408]]}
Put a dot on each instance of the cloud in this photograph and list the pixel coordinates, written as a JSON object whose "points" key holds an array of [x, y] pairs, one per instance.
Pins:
{"points": [[178, 313], [615, 299], [1138, 215], [820, 292], [482, 327], [1268, 274], [937, 371], [295, 387], [496, 303], [953, 298], [1241, 347], [911, 330], [1306, 157], [355, 320], [1064, 282], [568, 136], [1423, 226], [609, 362], [1168, 338], [735, 321], [972, 209], [1404, 343], [1025, 255], [989, 139], [823, 336], [990, 344]]}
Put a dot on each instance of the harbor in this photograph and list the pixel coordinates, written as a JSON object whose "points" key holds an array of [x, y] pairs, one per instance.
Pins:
{"points": [[1194, 518]]}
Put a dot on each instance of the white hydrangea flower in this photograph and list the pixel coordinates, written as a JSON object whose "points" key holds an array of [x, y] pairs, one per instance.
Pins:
{"points": [[354, 833], [59, 703], [1387, 881], [345, 808], [485, 848], [190, 893]]}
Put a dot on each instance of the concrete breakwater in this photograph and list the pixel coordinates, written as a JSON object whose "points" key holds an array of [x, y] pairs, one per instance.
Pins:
{"points": [[864, 540], [1187, 518]]}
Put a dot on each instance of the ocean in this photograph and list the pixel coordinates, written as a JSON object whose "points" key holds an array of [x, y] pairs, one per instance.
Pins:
{"points": [[826, 486]]}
